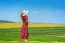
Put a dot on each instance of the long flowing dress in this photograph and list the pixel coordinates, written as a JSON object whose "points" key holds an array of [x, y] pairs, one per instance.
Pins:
{"points": [[24, 29]]}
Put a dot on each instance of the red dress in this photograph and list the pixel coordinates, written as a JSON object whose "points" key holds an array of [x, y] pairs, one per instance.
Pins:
{"points": [[24, 29]]}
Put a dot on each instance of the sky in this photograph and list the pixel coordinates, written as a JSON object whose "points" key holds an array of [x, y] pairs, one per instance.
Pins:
{"points": [[40, 11]]}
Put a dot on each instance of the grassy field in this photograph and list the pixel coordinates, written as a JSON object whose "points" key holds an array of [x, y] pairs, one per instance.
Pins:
{"points": [[36, 35]]}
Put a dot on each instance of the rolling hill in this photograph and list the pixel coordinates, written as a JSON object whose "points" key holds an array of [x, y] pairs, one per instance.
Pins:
{"points": [[5, 21]]}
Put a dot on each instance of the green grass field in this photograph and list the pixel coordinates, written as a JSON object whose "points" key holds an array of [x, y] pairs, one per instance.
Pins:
{"points": [[36, 35]]}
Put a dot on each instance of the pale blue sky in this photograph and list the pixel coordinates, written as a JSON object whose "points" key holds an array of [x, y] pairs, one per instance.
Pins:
{"points": [[40, 11]]}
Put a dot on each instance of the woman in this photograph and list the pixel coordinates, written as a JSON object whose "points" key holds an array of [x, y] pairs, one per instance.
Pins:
{"points": [[24, 29]]}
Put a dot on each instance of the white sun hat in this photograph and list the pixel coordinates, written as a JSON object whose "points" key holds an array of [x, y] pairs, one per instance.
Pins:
{"points": [[25, 12]]}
